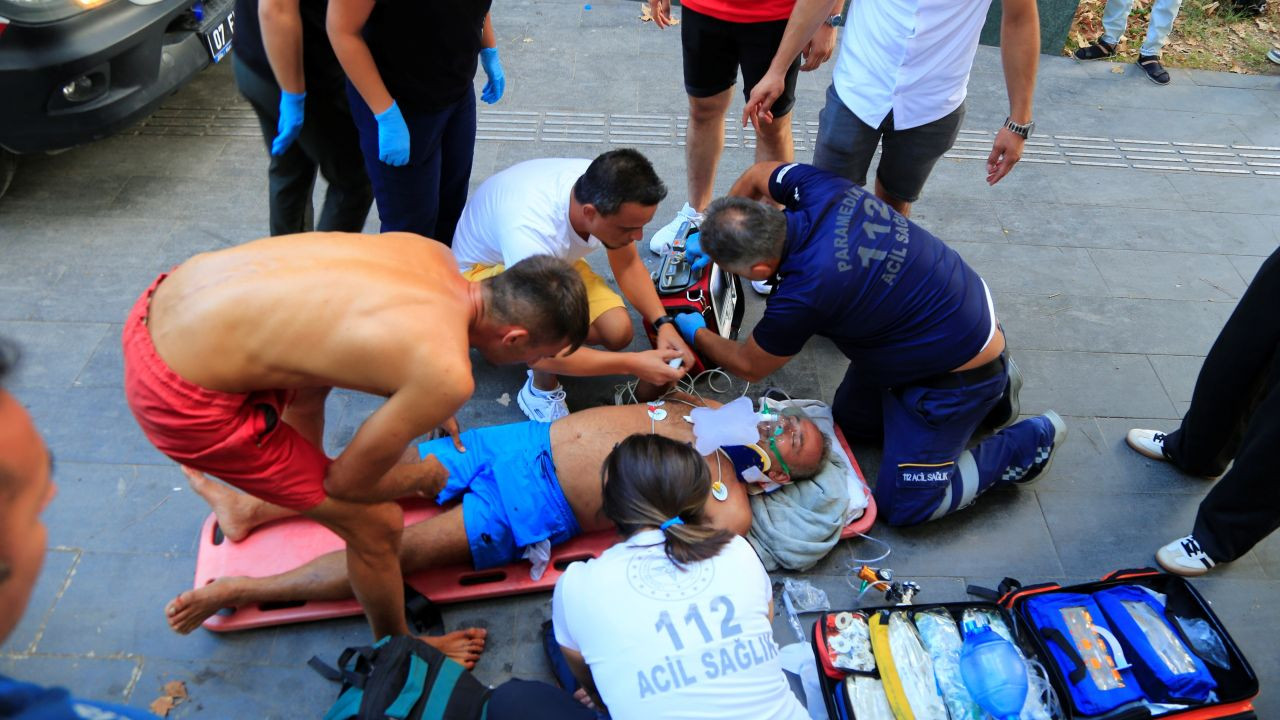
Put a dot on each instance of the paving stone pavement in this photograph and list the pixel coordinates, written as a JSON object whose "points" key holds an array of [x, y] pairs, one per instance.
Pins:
{"points": [[1111, 279]]}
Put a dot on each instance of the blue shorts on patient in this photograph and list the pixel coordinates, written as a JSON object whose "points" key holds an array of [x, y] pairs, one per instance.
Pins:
{"points": [[510, 494]]}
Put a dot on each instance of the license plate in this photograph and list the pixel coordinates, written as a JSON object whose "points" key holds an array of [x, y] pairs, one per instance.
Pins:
{"points": [[217, 34]]}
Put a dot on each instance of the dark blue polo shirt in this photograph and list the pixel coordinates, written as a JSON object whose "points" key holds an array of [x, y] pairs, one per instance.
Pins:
{"points": [[896, 300]]}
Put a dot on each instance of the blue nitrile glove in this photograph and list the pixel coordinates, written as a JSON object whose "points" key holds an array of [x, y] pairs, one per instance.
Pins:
{"points": [[688, 325], [492, 92], [693, 251], [393, 136], [292, 110]]}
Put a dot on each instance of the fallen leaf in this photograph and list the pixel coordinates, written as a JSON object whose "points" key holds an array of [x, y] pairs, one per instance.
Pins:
{"points": [[1235, 68], [175, 689], [1117, 69], [646, 13], [162, 705], [1209, 9], [505, 399], [1262, 24]]}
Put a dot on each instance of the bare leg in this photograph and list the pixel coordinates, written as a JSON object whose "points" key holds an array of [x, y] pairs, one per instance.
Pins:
{"points": [[704, 141], [902, 206], [238, 513], [372, 534], [773, 141], [437, 541]]}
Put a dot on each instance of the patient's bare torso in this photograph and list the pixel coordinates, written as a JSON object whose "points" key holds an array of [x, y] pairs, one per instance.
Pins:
{"points": [[581, 441]]}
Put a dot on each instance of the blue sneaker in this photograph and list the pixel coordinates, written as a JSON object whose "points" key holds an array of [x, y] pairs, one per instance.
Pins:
{"points": [[1056, 430]]}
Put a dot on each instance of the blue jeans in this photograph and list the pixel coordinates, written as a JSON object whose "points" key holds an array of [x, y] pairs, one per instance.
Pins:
{"points": [[425, 196], [1115, 18], [926, 472]]}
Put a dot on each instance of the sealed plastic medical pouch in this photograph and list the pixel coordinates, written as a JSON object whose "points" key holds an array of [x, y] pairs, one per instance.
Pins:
{"points": [[1082, 644], [1166, 668]]}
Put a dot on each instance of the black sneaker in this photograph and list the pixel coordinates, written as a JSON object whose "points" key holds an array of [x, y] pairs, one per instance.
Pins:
{"points": [[1098, 50], [1155, 71]]}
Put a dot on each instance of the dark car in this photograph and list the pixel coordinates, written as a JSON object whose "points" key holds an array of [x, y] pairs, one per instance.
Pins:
{"points": [[72, 71]]}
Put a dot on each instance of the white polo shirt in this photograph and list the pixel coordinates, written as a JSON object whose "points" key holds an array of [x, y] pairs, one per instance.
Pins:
{"points": [[520, 212], [675, 643], [909, 56]]}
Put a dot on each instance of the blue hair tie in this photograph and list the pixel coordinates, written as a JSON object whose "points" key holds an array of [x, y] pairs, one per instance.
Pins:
{"points": [[673, 521]]}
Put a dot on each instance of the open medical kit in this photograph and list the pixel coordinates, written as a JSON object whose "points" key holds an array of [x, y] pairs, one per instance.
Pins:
{"points": [[1136, 644], [710, 291]]}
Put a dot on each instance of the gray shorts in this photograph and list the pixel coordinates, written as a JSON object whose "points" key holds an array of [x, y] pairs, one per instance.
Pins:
{"points": [[846, 144]]}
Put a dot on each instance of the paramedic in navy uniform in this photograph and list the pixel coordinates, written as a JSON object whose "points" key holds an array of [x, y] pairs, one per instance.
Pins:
{"points": [[927, 362]]}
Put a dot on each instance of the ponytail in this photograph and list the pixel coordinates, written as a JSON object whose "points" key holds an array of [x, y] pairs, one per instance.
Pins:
{"points": [[653, 481]]}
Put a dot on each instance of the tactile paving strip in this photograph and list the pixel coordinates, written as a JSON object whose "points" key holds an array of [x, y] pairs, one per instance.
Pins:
{"points": [[236, 118]]}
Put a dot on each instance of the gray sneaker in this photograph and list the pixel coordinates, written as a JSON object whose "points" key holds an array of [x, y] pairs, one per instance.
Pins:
{"points": [[1006, 409]]}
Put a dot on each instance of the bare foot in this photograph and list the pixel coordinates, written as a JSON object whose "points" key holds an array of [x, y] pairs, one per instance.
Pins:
{"points": [[234, 510], [189, 609], [463, 646]]}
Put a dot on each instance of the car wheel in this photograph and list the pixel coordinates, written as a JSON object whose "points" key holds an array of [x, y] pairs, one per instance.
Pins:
{"points": [[8, 166]]}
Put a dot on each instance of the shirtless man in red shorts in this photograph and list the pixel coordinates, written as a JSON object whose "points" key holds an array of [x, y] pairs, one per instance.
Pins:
{"points": [[229, 358]]}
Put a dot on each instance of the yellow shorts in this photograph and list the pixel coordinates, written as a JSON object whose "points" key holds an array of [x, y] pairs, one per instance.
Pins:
{"points": [[600, 297]]}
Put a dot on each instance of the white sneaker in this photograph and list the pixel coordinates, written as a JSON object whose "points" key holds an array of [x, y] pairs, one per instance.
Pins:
{"points": [[542, 406], [661, 240], [762, 287], [1147, 442], [1185, 557]]}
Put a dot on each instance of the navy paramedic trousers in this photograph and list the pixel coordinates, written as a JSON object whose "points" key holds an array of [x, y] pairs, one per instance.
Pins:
{"points": [[427, 195], [1235, 414], [926, 471]]}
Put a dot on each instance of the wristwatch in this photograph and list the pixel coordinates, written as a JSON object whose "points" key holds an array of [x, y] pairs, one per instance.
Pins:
{"points": [[664, 320], [1023, 130], [835, 21]]}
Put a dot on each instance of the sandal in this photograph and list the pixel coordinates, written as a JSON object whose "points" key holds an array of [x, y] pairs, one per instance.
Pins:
{"points": [[1098, 50], [1155, 71]]}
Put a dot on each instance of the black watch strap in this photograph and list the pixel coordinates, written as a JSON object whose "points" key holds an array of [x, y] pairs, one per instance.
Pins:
{"points": [[664, 320]]}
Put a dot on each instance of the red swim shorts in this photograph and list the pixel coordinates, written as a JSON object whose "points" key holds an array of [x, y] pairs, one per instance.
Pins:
{"points": [[237, 437]]}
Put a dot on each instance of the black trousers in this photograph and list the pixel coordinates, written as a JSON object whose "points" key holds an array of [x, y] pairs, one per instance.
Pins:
{"points": [[327, 143], [1235, 414]]}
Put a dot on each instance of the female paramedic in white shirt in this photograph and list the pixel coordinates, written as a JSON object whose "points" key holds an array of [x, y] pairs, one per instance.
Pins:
{"points": [[673, 622]]}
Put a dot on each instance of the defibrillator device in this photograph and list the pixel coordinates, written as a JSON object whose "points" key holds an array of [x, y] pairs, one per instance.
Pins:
{"points": [[711, 291]]}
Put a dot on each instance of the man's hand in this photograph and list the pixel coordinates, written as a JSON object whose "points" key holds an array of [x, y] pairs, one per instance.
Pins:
{"points": [[819, 48], [493, 89], [669, 339], [431, 477], [661, 11], [1006, 151], [393, 136], [759, 106], [688, 324], [584, 697], [693, 251], [452, 427], [292, 111], [651, 366]]}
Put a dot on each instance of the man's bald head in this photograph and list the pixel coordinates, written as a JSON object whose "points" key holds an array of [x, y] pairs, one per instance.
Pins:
{"points": [[738, 233]]}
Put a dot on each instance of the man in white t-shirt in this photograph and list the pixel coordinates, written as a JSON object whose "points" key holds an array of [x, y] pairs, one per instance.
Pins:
{"points": [[663, 641], [900, 79], [569, 208]]}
